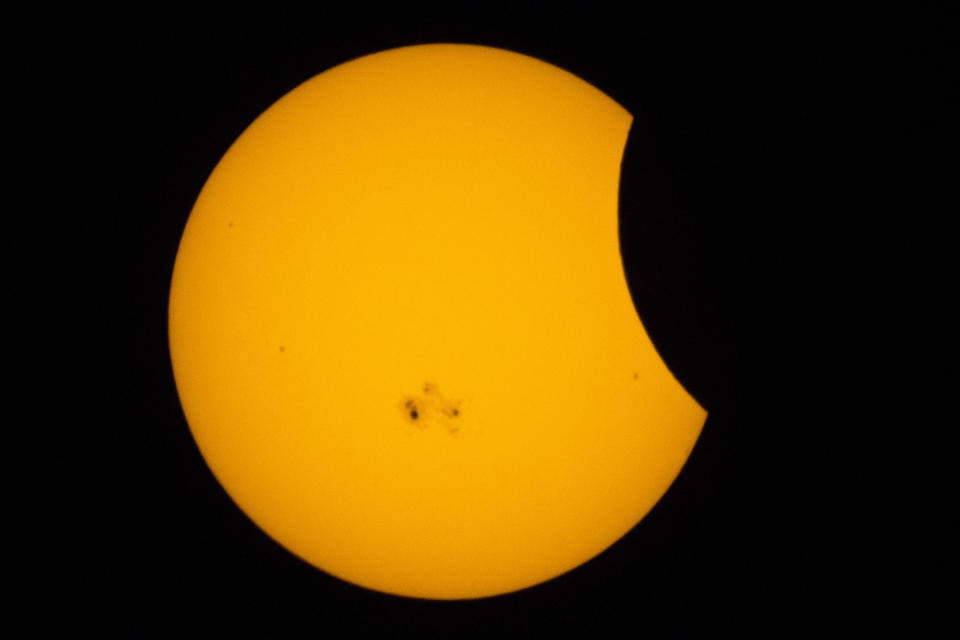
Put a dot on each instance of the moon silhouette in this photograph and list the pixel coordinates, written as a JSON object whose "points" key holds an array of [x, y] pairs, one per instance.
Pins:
{"points": [[401, 332]]}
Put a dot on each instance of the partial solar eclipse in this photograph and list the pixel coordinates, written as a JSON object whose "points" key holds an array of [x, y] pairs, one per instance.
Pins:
{"points": [[401, 331]]}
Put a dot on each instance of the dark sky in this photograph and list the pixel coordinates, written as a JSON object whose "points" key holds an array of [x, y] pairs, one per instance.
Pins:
{"points": [[748, 175]]}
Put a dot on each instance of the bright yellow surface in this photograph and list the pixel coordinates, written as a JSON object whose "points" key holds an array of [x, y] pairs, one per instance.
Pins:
{"points": [[430, 229]]}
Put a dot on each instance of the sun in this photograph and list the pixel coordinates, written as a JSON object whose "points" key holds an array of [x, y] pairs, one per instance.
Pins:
{"points": [[401, 332]]}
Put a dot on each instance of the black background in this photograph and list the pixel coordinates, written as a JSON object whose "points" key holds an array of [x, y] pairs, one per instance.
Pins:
{"points": [[742, 188]]}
